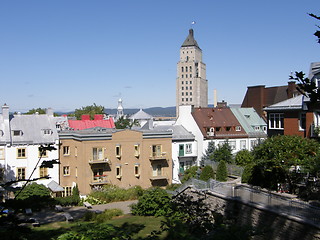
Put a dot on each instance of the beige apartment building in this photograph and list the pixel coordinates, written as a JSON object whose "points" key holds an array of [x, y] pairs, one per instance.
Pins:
{"points": [[191, 83], [125, 158]]}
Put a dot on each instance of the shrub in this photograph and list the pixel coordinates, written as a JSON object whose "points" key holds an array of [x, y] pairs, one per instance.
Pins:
{"points": [[107, 215], [189, 173], [207, 173], [222, 173], [243, 157], [154, 202], [247, 174], [172, 187]]}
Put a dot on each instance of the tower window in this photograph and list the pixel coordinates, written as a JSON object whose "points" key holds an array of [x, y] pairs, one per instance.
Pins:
{"points": [[190, 99], [182, 82], [186, 93], [182, 93], [182, 88], [186, 82], [190, 82], [182, 99], [190, 93], [181, 69], [191, 75], [182, 76], [186, 99], [190, 87], [186, 88], [186, 75], [190, 69], [186, 69]]}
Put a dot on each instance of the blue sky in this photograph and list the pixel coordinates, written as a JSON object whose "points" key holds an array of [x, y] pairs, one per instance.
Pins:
{"points": [[66, 54]]}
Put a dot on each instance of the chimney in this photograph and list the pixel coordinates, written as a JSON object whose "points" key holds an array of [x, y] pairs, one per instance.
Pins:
{"points": [[215, 98], [98, 117], [85, 117], [5, 112], [291, 89]]}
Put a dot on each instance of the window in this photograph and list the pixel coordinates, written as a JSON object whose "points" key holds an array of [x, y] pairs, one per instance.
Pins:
{"points": [[186, 82], [218, 129], [137, 170], [118, 151], [182, 82], [182, 76], [253, 143], [67, 191], [181, 69], [66, 170], [232, 144], [137, 150], [118, 172], [189, 148], [1, 153], [186, 75], [17, 133], [186, 99], [43, 172], [190, 93], [243, 144], [257, 128], [228, 129], [182, 93], [21, 173], [186, 88], [190, 83], [182, 99], [156, 170], [190, 69], [75, 151], [276, 121], [47, 131], [238, 128], [66, 150], [42, 152], [97, 153], [190, 99], [182, 88], [156, 151], [190, 88], [302, 121], [190, 75], [186, 93], [21, 153], [186, 69]]}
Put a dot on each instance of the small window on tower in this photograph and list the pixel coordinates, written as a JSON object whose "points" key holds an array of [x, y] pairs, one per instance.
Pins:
{"points": [[181, 69], [182, 82], [191, 75], [190, 99], [182, 93], [186, 93], [190, 69], [186, 69], [182, 88], [182, 99], [186, 99], [190, 88], [186, 88]]}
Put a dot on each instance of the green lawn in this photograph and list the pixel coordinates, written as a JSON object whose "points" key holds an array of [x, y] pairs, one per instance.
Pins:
{"points": [[139, 226]]}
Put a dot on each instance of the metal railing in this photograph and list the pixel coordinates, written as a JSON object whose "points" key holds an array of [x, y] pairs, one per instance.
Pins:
{"points": [[275, 202]]}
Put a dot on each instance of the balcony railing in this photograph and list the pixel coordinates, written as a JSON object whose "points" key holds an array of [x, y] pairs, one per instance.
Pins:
{"points": [[104, 160], [159, 177], [99, 180], [158, 156]]}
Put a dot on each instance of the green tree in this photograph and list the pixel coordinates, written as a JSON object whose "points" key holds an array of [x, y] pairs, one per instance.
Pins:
{"points": [[207, 173], [223, 153], [243, 158], [89, 110], [75, 195], [279, 158], [222, 172], [34, 196], [38, 110], [189, 173], [209, 153], [154, 202], [123, 123]]}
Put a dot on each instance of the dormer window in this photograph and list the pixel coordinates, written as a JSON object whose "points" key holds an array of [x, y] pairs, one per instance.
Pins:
{"points": [[228, 129], [257, 128], [17, 133], [238, 128], [47, 131]]}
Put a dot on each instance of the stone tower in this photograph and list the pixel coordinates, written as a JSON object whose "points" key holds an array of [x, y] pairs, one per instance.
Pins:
{"points": [[192, 85]]}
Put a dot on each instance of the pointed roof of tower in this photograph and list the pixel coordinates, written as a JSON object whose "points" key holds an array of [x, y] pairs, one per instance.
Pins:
{"points": [[190, 41]]}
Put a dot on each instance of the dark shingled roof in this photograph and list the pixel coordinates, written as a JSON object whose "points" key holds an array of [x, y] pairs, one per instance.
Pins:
{"points": [[190, 41]]}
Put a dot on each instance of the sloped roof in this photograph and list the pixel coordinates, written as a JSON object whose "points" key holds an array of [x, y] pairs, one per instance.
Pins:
{"points": [[32, 127], [217, 117], [291, 103], [140, 115], [85, 124], [248, 119], [178, 132], [55, 187], [190, 41]]}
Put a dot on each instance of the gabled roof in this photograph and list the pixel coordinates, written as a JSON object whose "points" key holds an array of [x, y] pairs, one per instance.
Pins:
{"points": [[249, 119], [190, 41], [85, 124], [140, 115], [207, 118], [294, 103]]}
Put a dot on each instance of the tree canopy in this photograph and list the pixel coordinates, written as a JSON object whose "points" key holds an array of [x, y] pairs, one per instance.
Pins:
{"points": [[38, 110], [223, 153], [89, 110]]}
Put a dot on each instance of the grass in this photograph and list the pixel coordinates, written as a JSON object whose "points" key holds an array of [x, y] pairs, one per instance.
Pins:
{"points": [[140, 226]]}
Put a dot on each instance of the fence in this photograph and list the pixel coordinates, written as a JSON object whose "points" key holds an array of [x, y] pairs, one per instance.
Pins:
{"points": [[278, 203]]}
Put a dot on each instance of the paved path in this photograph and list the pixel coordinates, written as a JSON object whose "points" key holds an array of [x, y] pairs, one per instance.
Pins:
{"points": [[48, 215]]}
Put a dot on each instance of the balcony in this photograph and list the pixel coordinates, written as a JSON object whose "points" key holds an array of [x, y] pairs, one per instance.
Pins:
{"points": [[95, 161], [99, 180], [158, 156], [158, 177]]}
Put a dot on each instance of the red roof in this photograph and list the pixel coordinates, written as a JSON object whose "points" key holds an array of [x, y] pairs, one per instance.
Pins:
{"points": [[87, 123]]}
